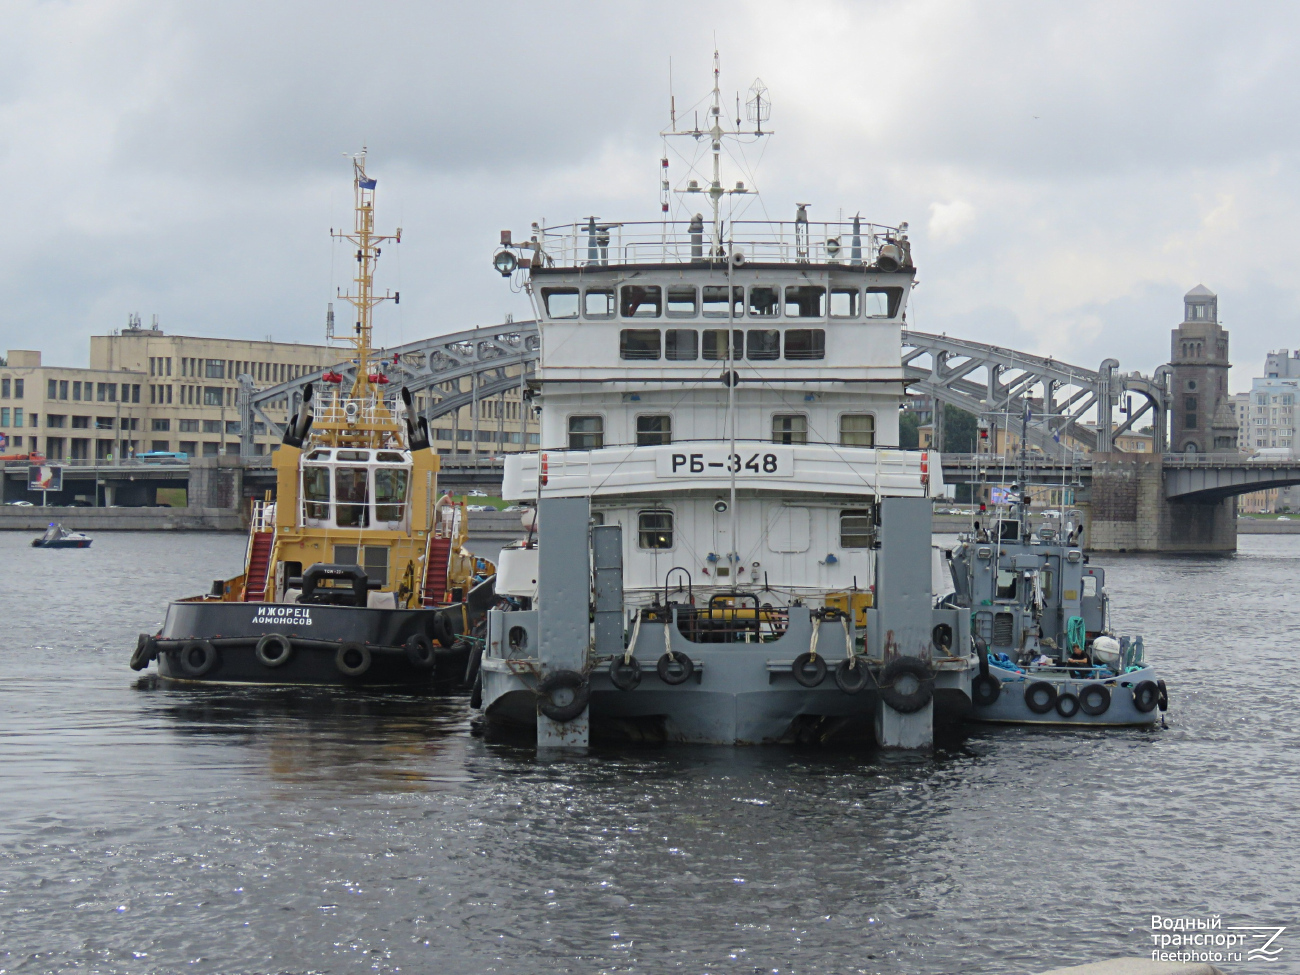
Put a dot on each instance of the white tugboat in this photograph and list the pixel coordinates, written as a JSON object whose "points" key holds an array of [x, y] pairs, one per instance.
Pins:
{"points": [[729, 546]]}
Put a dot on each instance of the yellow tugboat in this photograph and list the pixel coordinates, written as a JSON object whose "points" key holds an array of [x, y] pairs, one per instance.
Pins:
{"points": [[357, 571]]}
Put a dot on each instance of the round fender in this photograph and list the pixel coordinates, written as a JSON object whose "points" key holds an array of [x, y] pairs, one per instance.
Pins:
{"points": [[625, 673], [273, 650], [146, 649], [1040, 697], [809, 669], [419, 652], [476, 693], [563, 695], [441, 630], [1146, 696], [473, 659], [1067, 705], [197, 657], [352, 659], [906, 684], [675, 669], [851, 675], [985, 689], [1163, 699], [1094, 699]]}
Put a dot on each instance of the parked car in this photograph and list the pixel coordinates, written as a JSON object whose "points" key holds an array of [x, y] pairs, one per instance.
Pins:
{"points": [[21, 504], [514, 507], [476, 493], [479, 507]]}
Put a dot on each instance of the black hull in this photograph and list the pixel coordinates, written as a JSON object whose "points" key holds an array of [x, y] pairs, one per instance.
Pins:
{"points": [[316, 634]]}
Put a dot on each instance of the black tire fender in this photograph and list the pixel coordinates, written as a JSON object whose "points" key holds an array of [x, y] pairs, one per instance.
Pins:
{"points": [[197, 657], [146, 649], [684, 664], [1163, 699], [440, 629], [985, 690], [1094, 699], [906, 670], [1146, 695], [625, 673], [273, 650], [476, 693], [1040, 696], [809, 669], [352, 659], [1067, 705], [851, 676], [419, 652], [556, 684], [473, 661]]}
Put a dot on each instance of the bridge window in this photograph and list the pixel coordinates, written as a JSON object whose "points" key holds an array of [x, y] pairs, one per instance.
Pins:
{"points": [[638, 343], [882, 302], [805, 301], [683, 302], [598, 303], [586, 432], [857, 528], [715, 343], [655, 529], [561, 302], [1191, 421], [316, 492], [651, 431], [789, 428], [805, 343], [681, 344], [858, 430], [764, 302], [352, 497], [641, 301], [844, 302], [1190, 402], [762, 344], [715, 301]]}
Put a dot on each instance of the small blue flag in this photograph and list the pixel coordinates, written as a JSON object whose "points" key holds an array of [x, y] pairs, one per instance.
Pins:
{"points": [[367, 184], [1057, 436]]}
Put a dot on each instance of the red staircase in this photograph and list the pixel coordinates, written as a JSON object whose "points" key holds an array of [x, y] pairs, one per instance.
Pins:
{"points": [[259, 564], [435, 571]]}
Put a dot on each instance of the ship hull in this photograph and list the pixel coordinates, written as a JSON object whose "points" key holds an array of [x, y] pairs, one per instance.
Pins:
{"points": [[1121, 710]]}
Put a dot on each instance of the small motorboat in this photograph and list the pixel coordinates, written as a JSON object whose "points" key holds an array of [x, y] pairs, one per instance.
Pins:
{"points": [[56, 536]]}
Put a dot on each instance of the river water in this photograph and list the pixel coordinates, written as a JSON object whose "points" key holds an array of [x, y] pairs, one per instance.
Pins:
{"points": [[148, 829]]}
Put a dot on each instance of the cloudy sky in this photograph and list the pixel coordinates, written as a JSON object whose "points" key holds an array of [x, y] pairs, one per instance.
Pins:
{"points": [[1068, 171]]}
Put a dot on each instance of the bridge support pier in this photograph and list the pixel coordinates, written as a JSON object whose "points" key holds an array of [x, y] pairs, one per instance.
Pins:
{"points": [[1129, 512]]}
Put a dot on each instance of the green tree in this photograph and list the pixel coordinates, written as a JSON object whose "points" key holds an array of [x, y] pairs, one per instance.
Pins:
{"points": [[908, 423], [960, 430]]}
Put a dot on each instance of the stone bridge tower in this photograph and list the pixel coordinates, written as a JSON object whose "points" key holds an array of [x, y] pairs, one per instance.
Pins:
{"points": [[1201, 419]]}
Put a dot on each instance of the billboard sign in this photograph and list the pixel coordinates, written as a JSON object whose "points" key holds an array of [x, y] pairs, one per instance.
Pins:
{"points": [[44, 477], [999, 494]]}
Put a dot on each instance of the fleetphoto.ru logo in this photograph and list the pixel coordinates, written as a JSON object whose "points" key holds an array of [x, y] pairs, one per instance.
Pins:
{"points": [[1208, 939]]}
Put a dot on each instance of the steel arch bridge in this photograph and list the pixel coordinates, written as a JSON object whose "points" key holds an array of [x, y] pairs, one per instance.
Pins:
{"points": [[987, 380]]}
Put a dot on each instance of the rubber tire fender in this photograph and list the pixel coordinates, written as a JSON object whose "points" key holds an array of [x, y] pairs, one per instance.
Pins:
{"points": [[911, 701], [347, 650], [1100, 705], [665, 665], [1031, 693], [851, 676], [476, 693], [563, 680], [419, 652], [269, 640], [440, 629], [146, 649], [1067, 705], [473, 660], [1163, 699], [799, 667], [985, 690], [207, 657], [1146, 695], [625, 674]]}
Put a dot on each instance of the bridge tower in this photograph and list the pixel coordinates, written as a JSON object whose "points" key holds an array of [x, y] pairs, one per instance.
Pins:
{"points": [[1201, 420]]}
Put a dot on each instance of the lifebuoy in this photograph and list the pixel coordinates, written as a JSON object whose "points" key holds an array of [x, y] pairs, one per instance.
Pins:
{"points": [[1094, 699], [146, 649], [419, 652], [197, 658], [851, 675], [1163, 699], [564, 695], [809, 669], [1146, 695], [685, 668], [985, 689], [625, 672], [1067, 705], [273, 650], [906, 684], [352, 659], [1040, 696]]}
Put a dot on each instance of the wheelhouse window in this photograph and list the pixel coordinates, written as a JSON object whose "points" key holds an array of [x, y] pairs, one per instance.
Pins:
{"points": [[640, 301], [882, 302], [715, 301], [561, 302], [586, 432], [598, 303], [857, 528], [858, 430], [789, 428], [681, 344], [764, 302], [805, 301], [762, 343], [351, 497], [844, 302], [651, 431], [390, 492], [638, 343], [655, 529], [316, 492], [805, 343], [715, 343], [683, 301]]}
